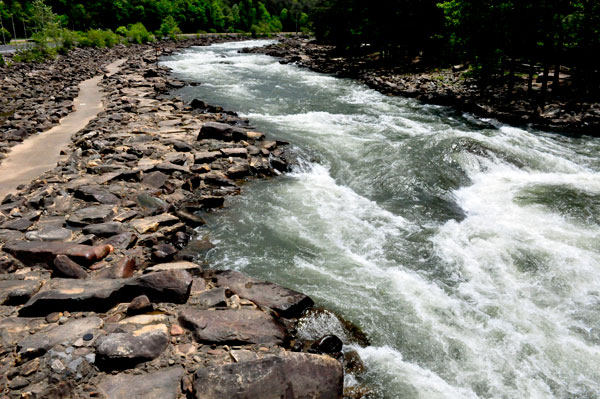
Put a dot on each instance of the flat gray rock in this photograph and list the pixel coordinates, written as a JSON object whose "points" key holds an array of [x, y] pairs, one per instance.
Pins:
{"points": [[17, 292], [291, 375], [163, 384], [288, 303], [243, 326], [100, 295], [42, 341], [92, 215]]}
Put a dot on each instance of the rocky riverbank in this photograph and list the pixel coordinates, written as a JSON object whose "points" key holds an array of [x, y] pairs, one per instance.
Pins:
{"points": [[450, 87], [103, 287]]}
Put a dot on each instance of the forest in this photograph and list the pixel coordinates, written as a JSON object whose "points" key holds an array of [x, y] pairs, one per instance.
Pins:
{"points": [[190, 16], [497, 39]]}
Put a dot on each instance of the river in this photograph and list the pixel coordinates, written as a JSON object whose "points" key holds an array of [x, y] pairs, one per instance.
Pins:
{"points": [[467, 250]]}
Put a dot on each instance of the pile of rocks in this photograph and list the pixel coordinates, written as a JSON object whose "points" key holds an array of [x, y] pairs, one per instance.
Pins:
{"points": [[450, 87], [103, 292]]}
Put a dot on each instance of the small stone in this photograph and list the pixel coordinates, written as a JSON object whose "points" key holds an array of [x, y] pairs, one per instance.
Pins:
{"points": [[176, 330], [140, 304], [53, 317], [57, 366], [63, 320]]}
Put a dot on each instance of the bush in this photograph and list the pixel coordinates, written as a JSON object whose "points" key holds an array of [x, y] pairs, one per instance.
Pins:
{"points": [[121, 31], [2, 63], [137, 33], [35, 54], [98, 38]]}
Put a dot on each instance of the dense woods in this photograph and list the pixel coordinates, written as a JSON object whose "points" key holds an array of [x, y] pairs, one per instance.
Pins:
{"points": [[499, 39], [190, 16]]}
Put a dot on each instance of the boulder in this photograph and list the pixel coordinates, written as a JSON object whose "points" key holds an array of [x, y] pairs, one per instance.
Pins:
{"points": [[286, 302], [290, 375], [243, 326]]}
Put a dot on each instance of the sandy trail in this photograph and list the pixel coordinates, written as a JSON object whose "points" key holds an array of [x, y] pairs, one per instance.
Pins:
{"points": [[41, 152]]}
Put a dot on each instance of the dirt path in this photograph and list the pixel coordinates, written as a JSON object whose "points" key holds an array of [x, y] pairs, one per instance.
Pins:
{"points": [[40, 153]]}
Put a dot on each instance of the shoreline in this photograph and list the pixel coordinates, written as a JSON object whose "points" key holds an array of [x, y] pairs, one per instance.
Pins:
{"points": [[103, 288], [447, 87]]}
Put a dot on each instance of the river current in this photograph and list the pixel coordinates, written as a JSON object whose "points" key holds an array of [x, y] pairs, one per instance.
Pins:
{"points": [[467, 250]]}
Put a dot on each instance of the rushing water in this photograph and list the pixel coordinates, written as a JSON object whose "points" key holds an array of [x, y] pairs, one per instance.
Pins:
{"points": [[468, 251]]}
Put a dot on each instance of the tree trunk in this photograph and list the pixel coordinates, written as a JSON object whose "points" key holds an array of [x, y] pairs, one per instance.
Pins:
{"points": [[544, 84], [511, 76], [13, 24], [530, 77]]}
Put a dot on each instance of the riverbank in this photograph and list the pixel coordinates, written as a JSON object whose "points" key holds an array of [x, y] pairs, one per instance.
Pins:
{"points": [[448, 87], [103, 287]]}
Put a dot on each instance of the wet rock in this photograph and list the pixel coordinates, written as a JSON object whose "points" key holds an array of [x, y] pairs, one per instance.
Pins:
{"points": [[104, 229], [36, 252], [42, 341], [288, 303], [162, 384], [124, 350], [65, 267], [293, 375], [244, 326], [139, 304], [328, 344], [102, 294], [17, 292]]}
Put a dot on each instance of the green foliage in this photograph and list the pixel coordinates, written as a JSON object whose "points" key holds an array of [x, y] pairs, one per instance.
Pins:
{"points": [[98, 38], [137, 33], [121, 31], [35, 54], [2, 62], [5, 35], [169, 28]]}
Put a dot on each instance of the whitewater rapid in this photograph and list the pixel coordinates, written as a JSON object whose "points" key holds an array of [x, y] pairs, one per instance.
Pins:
{"points": [[468, 251]]}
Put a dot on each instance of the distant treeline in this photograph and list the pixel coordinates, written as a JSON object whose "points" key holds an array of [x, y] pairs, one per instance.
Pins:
{"points": [[498, 38], [191, 16]]}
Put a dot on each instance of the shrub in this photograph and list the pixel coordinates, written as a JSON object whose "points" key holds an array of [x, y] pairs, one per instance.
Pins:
{"points": [[121, 31], [35, 54], [137, 33], [98, 38], [2, 63]]}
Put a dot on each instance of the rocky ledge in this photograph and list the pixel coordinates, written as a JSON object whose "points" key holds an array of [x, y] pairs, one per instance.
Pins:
{"points": [[104, 291], [449, 87]]}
